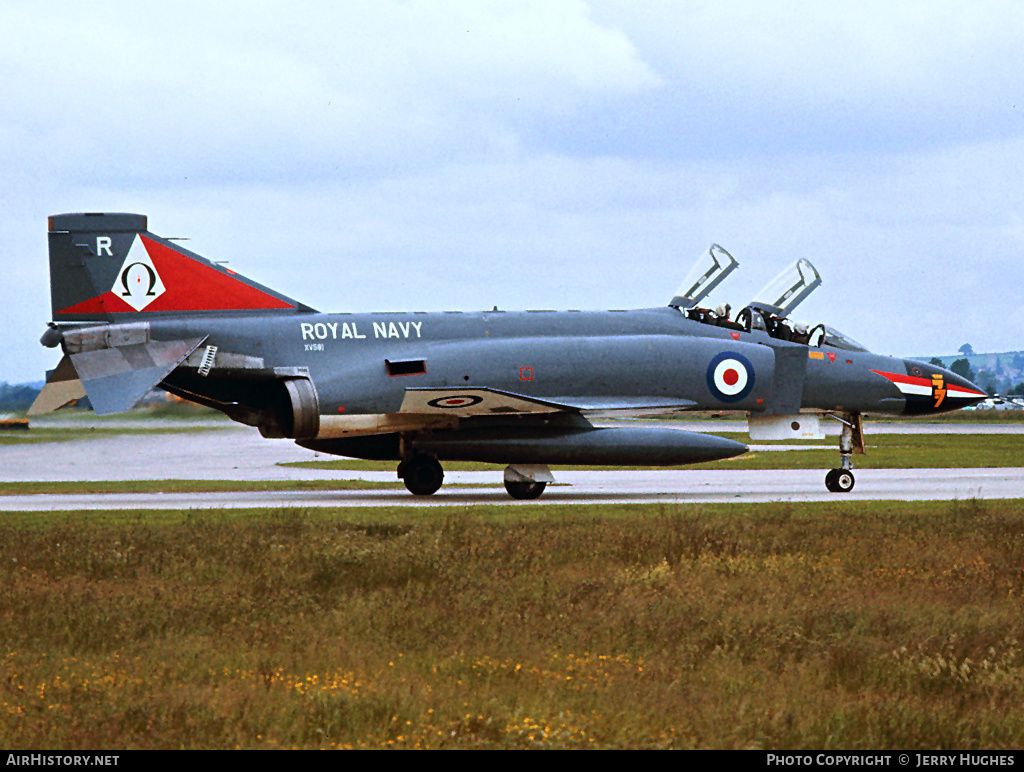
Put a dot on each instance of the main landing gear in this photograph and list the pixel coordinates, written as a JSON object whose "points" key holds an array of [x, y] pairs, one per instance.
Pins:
{"points": [[524, 491], [423, 476], [527, 481], [851, 440]]}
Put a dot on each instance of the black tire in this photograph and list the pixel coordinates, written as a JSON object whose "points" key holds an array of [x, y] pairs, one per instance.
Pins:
{"points": [[844, 481], [422, 475], [840, 481], [524, 490]]}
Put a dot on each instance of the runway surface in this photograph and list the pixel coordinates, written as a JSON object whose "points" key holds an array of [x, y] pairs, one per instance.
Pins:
{"points": [[229, 452]]}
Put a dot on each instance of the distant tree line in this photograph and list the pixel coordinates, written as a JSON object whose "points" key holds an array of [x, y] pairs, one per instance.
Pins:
{"points": [[997, 374], [17, 396]]}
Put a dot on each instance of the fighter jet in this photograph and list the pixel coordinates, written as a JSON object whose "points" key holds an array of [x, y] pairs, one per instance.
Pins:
{"points": [[133, 311]]}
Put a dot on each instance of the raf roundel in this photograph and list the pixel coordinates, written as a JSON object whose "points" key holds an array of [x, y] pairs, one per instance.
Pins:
{"points": [[456, 401], [730, 377]]}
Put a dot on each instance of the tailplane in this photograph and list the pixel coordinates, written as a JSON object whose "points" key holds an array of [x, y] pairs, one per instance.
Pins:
{"points": [[109, 267]]}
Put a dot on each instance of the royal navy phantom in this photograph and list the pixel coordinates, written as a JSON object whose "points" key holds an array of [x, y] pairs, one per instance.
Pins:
{"points": [[133, 311]]}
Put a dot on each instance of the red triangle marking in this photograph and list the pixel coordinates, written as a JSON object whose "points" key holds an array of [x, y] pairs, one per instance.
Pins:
{"points": [[193, 286], [107, 303]]}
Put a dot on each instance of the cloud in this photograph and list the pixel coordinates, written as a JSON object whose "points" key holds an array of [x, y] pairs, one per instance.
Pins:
{"points": [[780, 79], [441, 155], [290, 91]]}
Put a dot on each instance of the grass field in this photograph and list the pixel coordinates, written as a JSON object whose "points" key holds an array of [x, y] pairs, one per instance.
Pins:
{"points": [[839, 625], [842, 625]]}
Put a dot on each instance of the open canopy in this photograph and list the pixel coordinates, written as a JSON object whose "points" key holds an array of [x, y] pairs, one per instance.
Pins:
{"points": [[789, 289], [707, 273]]}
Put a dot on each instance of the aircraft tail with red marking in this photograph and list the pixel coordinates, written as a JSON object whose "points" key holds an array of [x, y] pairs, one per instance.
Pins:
{"points": [[111, 280], [109, 267]]}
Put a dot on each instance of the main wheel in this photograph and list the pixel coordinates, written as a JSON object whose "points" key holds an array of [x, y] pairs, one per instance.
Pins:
{"points": [[524, 489], [422, 475], [840, 481]]}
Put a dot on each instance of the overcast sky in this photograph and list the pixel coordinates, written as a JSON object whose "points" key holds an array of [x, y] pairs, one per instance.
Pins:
{"points": [[365, 156]]}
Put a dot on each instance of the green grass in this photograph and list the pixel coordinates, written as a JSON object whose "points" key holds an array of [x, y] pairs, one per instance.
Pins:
{"points": [[892, 451], [186, 486], [960, 417], [61, 434], [834, 626]]}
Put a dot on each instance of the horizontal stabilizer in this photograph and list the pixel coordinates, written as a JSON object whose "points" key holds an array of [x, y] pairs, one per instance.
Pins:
{"points": [[63, 387], [115, 379], [474, 401]]}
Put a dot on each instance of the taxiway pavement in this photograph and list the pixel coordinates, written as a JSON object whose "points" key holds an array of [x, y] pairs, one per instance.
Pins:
{"points": [[231, 452], [580, 488]]}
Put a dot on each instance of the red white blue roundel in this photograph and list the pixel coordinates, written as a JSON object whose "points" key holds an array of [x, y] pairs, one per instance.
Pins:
{"points": [[456, 401], [730, 377]]}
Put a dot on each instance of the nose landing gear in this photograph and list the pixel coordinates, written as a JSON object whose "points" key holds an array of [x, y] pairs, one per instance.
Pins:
{"points": [[840, 480], [851, 440]]}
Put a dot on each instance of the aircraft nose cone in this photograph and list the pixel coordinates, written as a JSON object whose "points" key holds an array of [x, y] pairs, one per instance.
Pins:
{"points": [[935, 389]]}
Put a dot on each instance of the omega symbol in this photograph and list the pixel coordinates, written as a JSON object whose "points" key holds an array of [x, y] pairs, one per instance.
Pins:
{"points": [[138, 282], [133, 280]]}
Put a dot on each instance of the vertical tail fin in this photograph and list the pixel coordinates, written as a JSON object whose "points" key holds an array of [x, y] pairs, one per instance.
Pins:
{"points": [[107, 267]]}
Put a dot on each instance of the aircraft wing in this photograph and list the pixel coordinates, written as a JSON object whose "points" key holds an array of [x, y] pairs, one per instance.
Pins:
{"points": [[478, 401]]}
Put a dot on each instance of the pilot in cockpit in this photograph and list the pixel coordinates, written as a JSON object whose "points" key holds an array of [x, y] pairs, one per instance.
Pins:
{"points": [[723, 318]]}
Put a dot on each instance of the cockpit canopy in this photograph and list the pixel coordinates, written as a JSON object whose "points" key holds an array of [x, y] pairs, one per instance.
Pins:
{"points": [[769, 311], [823, 335], [789, 289], [753, 318], [708, 272]]}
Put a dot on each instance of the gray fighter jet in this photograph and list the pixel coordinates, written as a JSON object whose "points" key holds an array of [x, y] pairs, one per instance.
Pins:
{"points": [[133, 311]]}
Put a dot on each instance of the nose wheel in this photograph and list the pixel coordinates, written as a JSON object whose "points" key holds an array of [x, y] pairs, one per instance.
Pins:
{"points": [[840, 480], [851, 440]]}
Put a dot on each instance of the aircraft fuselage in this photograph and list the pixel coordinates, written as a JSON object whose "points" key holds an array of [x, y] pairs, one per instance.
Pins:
{"points": [[364, 363]]}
